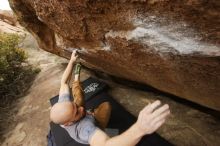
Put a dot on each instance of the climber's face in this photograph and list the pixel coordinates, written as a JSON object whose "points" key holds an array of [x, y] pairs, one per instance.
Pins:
{"points": [[78, 113]]}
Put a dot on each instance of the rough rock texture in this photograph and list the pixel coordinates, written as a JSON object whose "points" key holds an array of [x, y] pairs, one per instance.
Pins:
{"points": [[170, 45]]}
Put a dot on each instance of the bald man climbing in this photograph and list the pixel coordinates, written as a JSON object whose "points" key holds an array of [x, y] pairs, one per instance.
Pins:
{"points": [[82, 126]]}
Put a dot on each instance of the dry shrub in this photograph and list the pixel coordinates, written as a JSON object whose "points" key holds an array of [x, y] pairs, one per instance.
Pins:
{"points": [[16, 75]]}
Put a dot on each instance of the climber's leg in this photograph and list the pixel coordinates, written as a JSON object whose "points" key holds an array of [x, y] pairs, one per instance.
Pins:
{"points": [[77, 88], [102, 114]]}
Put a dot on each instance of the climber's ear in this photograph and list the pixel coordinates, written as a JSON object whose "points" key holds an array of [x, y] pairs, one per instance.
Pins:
{"points": [[81, 108]]}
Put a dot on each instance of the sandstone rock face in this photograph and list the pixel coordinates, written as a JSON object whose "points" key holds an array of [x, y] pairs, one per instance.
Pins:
{"points": [[170, 45]]}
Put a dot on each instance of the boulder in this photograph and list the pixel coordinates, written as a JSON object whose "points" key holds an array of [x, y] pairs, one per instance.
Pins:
{"points": [[170, 45]]}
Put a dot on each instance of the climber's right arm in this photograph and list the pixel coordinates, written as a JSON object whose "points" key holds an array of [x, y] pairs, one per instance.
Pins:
{"points": [[149, 120]]}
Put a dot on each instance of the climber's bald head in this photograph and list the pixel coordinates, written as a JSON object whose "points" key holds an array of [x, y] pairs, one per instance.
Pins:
{"points": [[63, 112]]}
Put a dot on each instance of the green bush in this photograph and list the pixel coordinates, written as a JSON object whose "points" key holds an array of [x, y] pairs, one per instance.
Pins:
{"points": [[15, 72]]}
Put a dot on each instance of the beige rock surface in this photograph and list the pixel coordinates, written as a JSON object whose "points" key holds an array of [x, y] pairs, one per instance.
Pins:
{"points": [[8, 17], [7, 28], [9, 24]]}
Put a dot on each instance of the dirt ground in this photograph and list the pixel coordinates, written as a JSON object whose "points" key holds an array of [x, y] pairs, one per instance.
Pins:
{"points": [[187, 126]]}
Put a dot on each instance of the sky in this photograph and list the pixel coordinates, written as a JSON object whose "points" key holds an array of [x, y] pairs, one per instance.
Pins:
{"points": [[4, 5]]}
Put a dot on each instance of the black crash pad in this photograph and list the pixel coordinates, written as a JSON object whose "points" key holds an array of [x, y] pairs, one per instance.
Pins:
{"points": [[120, 118]]}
